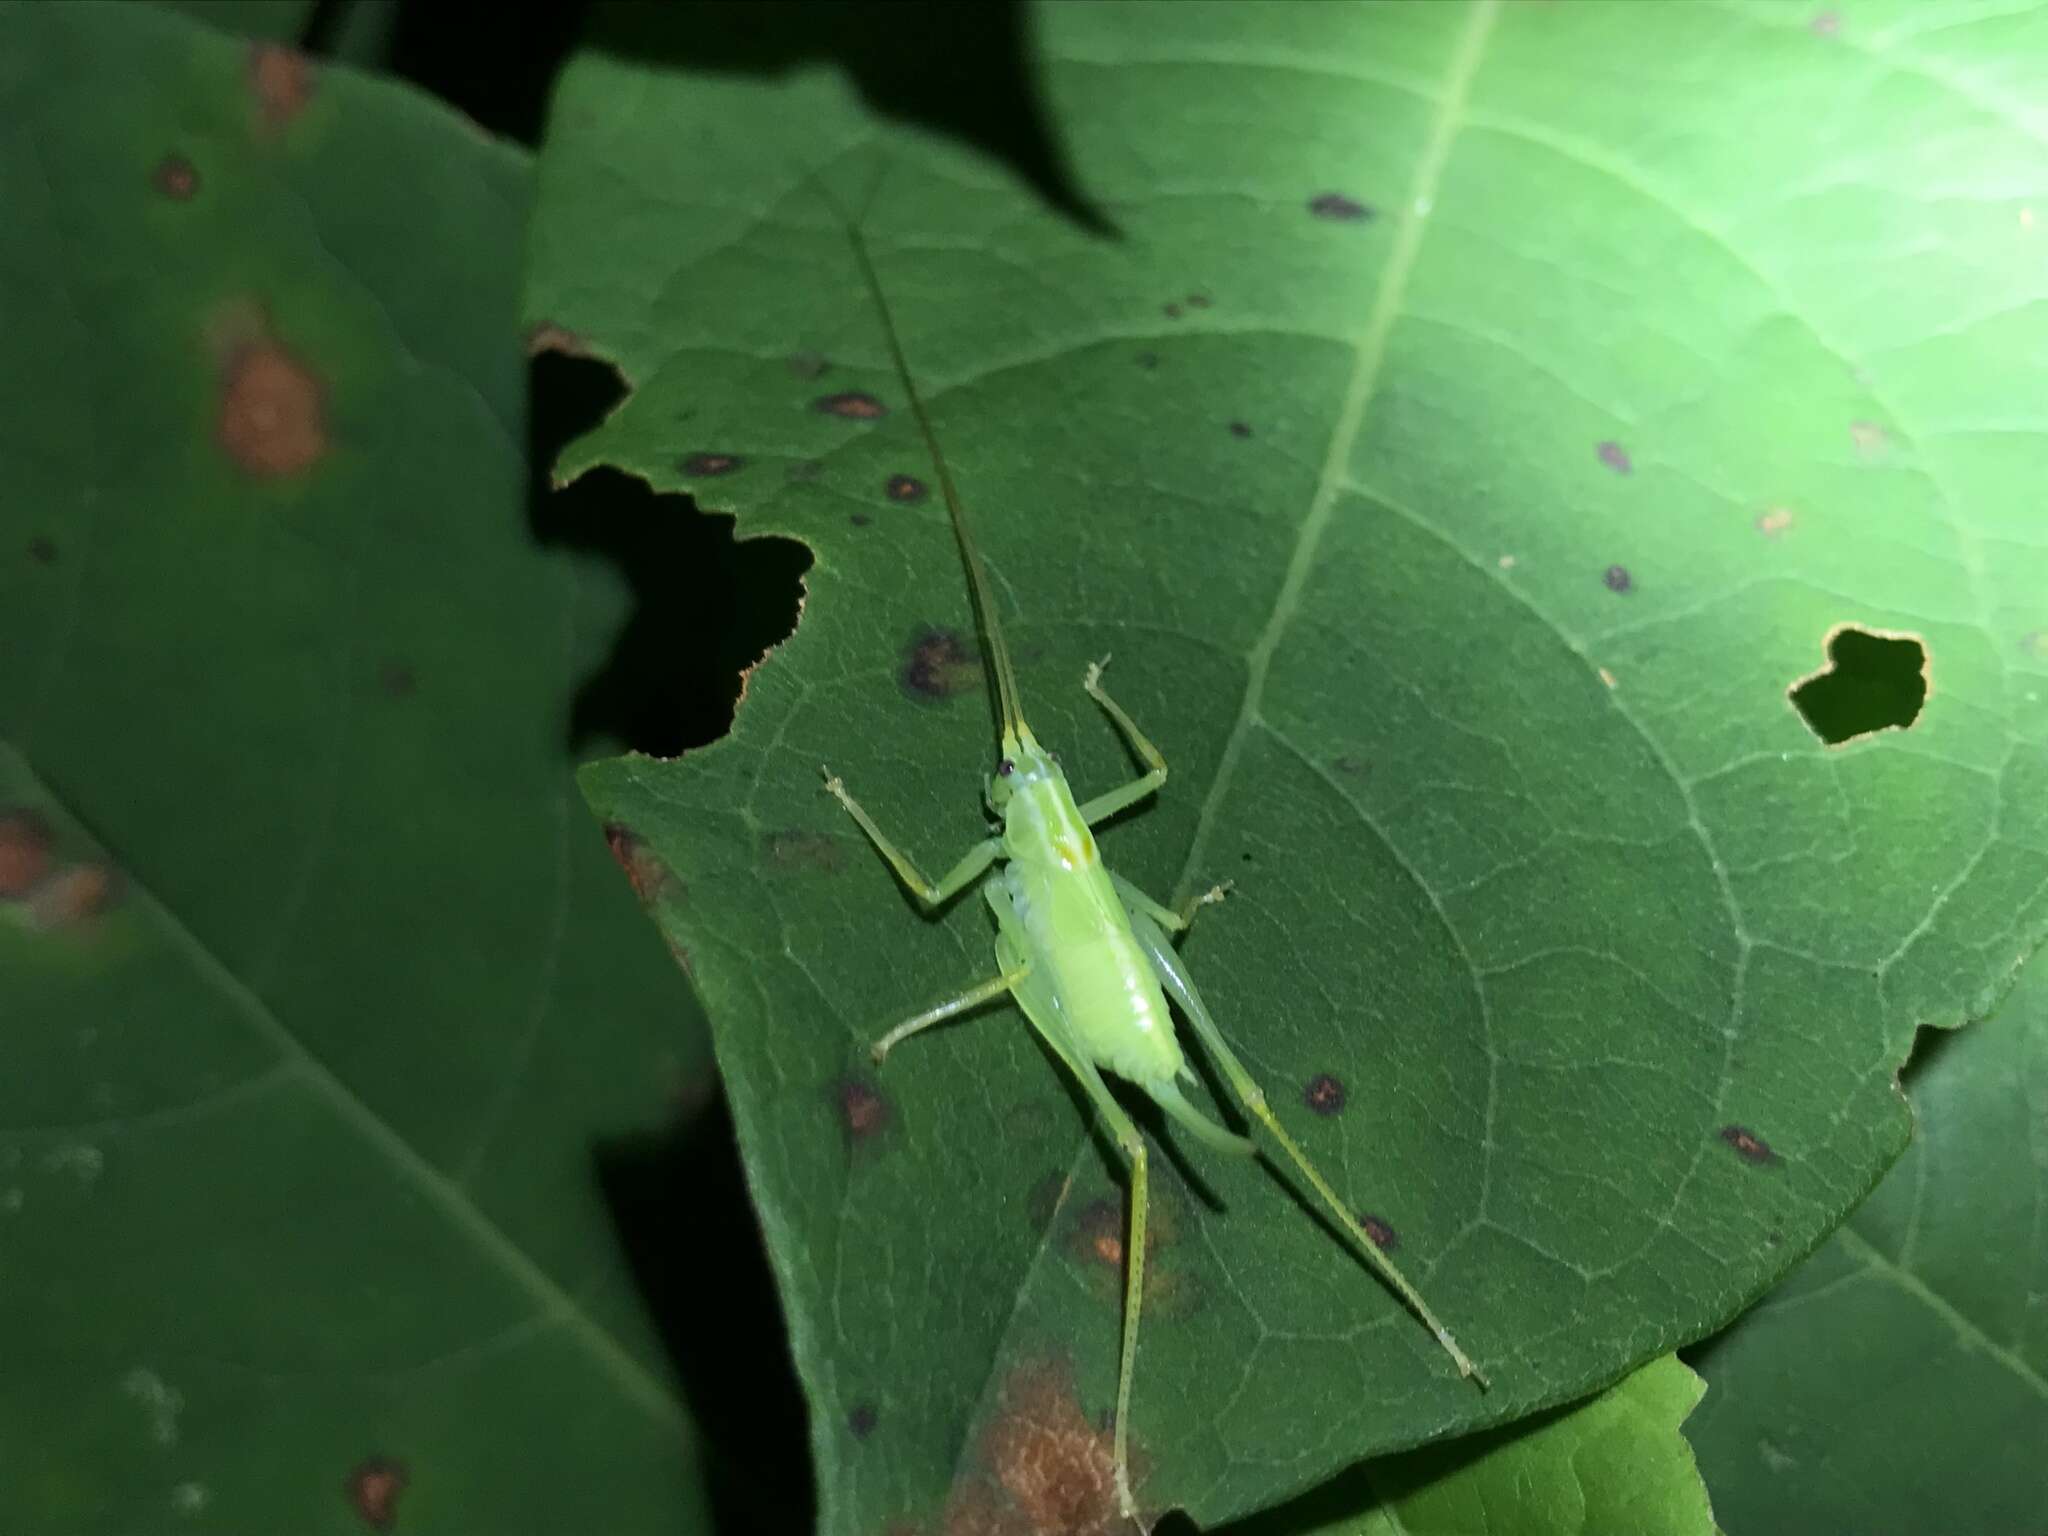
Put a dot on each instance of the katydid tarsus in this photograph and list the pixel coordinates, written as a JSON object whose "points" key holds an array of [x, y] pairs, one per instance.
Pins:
{"points": [[1085, 953]]}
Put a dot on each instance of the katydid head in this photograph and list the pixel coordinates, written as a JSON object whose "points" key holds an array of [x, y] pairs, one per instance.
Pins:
{"points": [[1023, 763]]}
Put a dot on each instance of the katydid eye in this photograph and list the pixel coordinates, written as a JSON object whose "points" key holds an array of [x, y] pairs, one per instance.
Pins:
{"points": [[1006, 768]]}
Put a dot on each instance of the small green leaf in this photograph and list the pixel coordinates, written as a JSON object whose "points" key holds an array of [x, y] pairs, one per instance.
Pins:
{"points": [[1898, 1381], [1614, 1463], [324, 1006], [1478, 423]]}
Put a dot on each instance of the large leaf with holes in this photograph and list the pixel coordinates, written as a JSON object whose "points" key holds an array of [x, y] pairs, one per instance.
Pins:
{"points": [[1616, 1462], [1472, 424], [1926, 1303], [325, 1008]]}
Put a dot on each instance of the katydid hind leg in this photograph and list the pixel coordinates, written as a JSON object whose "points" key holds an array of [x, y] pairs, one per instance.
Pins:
{"points": [[1035, 997], [982, 992], [1180, 986], [971, 867]]}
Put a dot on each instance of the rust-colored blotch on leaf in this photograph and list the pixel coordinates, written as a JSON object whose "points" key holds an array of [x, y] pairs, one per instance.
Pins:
{"points": [[1046, 1468], [281, 79], [273, 411], [373, 1488]]}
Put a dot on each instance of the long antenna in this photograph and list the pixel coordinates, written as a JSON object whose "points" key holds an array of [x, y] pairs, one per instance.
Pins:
{"points": [[977, 582]]}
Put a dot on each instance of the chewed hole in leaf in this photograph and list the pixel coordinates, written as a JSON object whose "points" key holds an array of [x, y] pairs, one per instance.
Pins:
{"points": [[1875, 680]]}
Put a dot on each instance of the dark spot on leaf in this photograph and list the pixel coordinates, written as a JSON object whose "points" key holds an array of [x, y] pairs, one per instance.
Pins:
{"points": [[861, 1421], [1046, 1468], [374, 1487], [281, 80], [854, 404], [1380, 1231], [939, 665], [1240, 429], [863, 1112], [859, 519], [397, 679], [1098, 1236], [1826, 24], [1246, 857], [1148, 360], [42, 550], [804, 470], [1324, 1094], [1749, 1146], [906, 488], [176, 177], [1172, 311], [1335, 205], [799, 850], [1874, 680], [1615, 457], [1774, 1237], [649, 877], [698, 464], [1352, 767], [1617, 578], [25, 842], [1198, 301], [807, 365], [273, 410]]}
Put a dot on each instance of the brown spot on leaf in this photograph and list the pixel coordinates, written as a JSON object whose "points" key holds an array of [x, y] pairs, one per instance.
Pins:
{"points": [[1826, 24], [282, 81], [1335, 205], [1748, 1146], [1773, 521], [1350, 766], [1615, 457], [863, 1112], [1606, 676], [42, 550], [1198, 301], [861, 1420], [176, 177], [649, 877], [700, 465], [546, 336], [75, 894], [854, 404], [25, 842], [906, 488], [1617, 579], [1148, 360], [1381, 1231], [397, 679], [859, 519], [1172, 311], [1098, 1235], [1870, 439], [273, 410], [808, 365], [940, 665], [374, 1487], [1240, 429], [1324, 1094], [1047, 1469]]}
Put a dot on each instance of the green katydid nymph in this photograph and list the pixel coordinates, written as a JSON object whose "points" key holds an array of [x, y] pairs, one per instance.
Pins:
{"points": [[1085, 953]]}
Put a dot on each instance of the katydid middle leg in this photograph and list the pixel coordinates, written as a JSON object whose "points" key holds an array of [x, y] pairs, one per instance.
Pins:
{"points": [[973, 997], [1166, 917], [1180, 986]]}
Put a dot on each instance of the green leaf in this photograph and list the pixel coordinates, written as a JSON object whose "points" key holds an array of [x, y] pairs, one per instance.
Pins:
{"points": [[1480, 420], [1922, 1314], [324, 1005], [1616, 1462]]}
